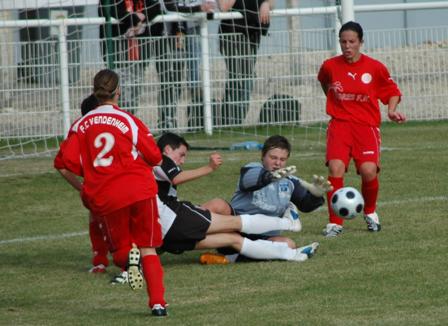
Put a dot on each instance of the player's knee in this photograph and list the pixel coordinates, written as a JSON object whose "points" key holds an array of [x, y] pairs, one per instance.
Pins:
{"points": [[291, 243], [336, 168], [236, 240], [218, 206], [368, 171]]}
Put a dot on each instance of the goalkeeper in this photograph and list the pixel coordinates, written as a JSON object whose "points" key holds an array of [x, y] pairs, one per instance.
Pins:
{"points": [[268, 187]]}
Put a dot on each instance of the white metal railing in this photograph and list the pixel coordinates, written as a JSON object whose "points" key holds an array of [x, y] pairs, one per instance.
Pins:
{"points": [[340, 13]]}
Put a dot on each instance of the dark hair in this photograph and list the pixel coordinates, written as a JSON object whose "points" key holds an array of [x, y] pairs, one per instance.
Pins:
{"points": [[352, 26], [105, 84], [173, 140], [88, 104], [276, 141]]}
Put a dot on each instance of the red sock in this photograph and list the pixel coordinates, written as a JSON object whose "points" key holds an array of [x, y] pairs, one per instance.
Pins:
{"points": [[121, 257], [370, 193], [99, 245], [153, 274], [337, 183]]}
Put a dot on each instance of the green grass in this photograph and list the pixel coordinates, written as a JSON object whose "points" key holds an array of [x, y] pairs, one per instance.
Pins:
{"points": [[395, 277]]}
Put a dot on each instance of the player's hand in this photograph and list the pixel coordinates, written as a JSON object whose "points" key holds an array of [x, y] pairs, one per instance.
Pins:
{"points": [[396, 116], [318, 187], [284, 172], [215, 161]]}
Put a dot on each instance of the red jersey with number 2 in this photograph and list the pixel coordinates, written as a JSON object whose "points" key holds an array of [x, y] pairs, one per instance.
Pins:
{"points": [[355, 88], [116, 152]]}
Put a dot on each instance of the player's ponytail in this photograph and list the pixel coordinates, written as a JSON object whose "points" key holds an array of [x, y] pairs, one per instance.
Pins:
{"points": [[105, 85]]}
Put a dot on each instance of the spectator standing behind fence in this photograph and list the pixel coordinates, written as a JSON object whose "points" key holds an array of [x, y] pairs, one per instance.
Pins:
{"points": [[353, 84], [239, 41], [132, 50], [127, 48], [193, 49], [188, 50]]}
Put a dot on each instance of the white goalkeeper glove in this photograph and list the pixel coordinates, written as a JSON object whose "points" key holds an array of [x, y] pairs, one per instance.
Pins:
{"points": [[284, 172], [319, 187]]}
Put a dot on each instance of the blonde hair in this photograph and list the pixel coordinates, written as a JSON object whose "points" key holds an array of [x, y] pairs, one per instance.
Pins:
{"points": [[105, 85]]}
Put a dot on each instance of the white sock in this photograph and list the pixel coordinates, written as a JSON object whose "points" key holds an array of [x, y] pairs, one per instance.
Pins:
{"points": [[264, 249], [259, 223]]}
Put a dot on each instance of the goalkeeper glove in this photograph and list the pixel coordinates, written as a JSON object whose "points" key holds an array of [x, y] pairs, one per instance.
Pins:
{"points": [[284, 172], [319, 187]]}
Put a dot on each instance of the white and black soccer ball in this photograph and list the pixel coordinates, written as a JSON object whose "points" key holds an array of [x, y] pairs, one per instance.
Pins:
{"points": [[347, 202]]}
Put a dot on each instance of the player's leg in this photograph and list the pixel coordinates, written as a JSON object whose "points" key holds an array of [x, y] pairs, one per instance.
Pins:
{"points": [[367, 155], [370, 189], [115, 228], [258, 249], [218, 205], [369, 186], [252, 224], [153, 274], [147, 235], [290, 242], [336, 169], [220, 240], [99, 246], [337, 160]]}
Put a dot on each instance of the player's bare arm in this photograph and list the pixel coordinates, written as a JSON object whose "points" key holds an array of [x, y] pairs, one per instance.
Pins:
{"points": [[215, 161], [392, 112], [71, 178]]}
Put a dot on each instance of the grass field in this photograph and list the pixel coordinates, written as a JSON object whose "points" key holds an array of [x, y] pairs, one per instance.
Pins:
{"points": [[395, 277]]}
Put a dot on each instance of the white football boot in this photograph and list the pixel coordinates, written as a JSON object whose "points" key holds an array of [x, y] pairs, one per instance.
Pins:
{"points": [[332, 230], [373, 222]]}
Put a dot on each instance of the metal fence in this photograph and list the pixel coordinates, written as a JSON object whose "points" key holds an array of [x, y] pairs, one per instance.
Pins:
{"points": [[39, 98]]}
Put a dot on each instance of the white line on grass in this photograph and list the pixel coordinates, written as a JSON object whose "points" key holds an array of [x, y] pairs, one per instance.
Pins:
{"points": [[83, 233], [44, 237]]}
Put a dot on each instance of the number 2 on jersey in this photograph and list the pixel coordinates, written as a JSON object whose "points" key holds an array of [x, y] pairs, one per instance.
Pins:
{"points": [[105, 140]]}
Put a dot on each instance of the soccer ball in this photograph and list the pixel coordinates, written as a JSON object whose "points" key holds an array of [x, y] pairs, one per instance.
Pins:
{"points": [[347, 202]]}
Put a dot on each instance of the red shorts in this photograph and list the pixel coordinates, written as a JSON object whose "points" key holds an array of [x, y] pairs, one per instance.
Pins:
{"points": [[346, 140], [137, 223]]}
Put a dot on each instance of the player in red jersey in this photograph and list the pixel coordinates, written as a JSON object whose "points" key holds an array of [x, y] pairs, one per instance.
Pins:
{"points": [[99, 246], [115, 152], [354, 83]]}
